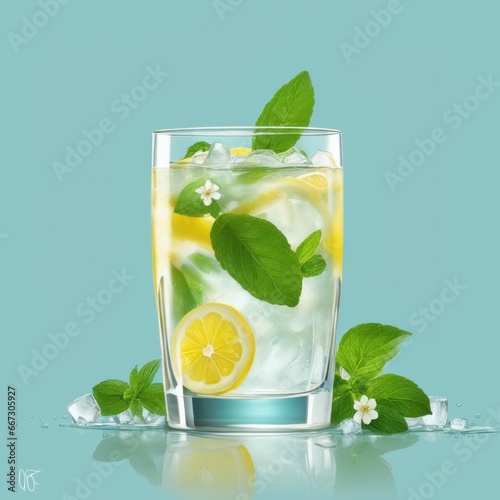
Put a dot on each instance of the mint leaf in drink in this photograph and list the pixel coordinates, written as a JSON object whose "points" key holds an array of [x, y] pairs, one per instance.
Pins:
{"points": [[190, 201], [109, 396], [183, 297], [308, 247], [313, 267], [153, 399], [399, 394], [258, 256], [364, 349], [291, 106], [197, 146]]}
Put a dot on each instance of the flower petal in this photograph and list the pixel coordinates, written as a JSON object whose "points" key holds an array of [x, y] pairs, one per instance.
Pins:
{"points": [[363, 400], [373, 414], [215, 187], [208, 185], [357, 416], [207, 200], [215, 196], [372, 403], [200, 190], [357, 405], [366, 418]]}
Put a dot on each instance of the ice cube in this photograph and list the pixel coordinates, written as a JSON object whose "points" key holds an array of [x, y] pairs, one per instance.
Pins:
{"points": [[84, 407], [439, 416], [199, 157], [414, 423], [458, 424], [294, 156], [125, 417], [350, 426], [153, 418], [324, 159], [264, 157], [219, 154]]}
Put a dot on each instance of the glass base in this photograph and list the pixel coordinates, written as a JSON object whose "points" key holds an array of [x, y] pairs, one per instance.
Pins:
{"points": [[309, 411]]}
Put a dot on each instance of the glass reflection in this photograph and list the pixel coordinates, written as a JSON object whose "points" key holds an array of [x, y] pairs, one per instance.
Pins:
{"points": [[326, 464]]}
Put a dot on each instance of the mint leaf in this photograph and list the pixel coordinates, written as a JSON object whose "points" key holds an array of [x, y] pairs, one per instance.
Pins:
{"points": [[400, 395], [147, 374], [308, 247], [255, 174], [342, 405], [258, 256], [197, 146], [153, 399], [190, 203], [364, 349], [133, 378], [388, 421], [313, 267], [204, 263], [184, 300], [291, 106], [136, 408], [109, 396]]}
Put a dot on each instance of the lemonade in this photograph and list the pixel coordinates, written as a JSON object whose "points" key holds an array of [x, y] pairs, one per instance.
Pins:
{"points": [[247, 258]]}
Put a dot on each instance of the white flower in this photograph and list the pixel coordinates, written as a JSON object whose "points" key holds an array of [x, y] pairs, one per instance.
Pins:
{"points": [[365, 410], [344, 374], [208, 192]]}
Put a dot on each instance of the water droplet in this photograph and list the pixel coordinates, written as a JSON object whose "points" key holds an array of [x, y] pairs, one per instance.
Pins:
{"points": [[65, 417], [31, 416], [459, 404], [455, 436], [42, 420], [81, 421], [55, 418], [44, 426], [448, 435], [477, 415]]}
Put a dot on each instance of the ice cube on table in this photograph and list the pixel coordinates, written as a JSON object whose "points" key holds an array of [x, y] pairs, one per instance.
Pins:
{"points": [[324, 159], [219, 154], [439, 415], [458, 424], [264, 157], [294, 156], [350, 426], [153, 418], [414, 423], [84, 408]]}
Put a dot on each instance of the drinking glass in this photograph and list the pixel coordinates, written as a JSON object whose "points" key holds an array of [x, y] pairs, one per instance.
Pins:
{"points": [[247, 258]]}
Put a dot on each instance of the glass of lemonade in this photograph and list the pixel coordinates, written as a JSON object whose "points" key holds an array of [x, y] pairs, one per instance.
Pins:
{"points": [[247, 258]]}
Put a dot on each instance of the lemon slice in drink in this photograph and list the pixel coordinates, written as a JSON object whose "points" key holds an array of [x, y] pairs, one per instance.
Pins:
{"points": [[212, 349]]}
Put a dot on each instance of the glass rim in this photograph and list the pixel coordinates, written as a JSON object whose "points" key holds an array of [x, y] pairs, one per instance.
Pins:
{"points": [[236, 131]]}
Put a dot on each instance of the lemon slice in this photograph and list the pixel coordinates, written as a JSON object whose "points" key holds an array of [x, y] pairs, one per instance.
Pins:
{"points": [[316, 179], [240, 151], [210, 469], [212, 349]]}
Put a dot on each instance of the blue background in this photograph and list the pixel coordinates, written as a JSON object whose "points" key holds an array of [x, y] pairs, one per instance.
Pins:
{"points": [[62, 237]]}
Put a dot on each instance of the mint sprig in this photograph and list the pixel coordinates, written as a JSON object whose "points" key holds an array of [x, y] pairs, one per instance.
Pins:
{"points": [[361, 356], [291, 106], [116, 396]]}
